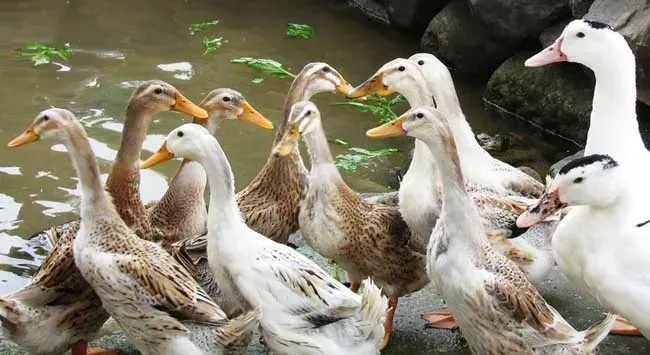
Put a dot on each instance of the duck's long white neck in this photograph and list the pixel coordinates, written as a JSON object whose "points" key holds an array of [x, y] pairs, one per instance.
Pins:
{"points": [[320, 154], [444, 93], [94, 199], [223, 210], [419, 95], [613, 127]]}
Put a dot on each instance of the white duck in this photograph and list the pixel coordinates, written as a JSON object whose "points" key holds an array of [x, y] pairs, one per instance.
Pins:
{"points": [[612, 265], [303, 309], [613, 115], [498, 310]]}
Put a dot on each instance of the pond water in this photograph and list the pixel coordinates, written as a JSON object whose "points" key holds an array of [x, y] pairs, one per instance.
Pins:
{"points": [[116, 43]]}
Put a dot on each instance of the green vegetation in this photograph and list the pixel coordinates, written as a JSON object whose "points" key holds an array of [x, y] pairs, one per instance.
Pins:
{"points": [[212, 45], [44, 53], [338, 141], [361, 157], [202, 26], [379, 106], [301, 31], [264, 67]]}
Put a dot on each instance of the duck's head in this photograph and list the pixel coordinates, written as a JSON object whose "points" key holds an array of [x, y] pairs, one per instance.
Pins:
{"points": [[594, 180], [49, 124], [187, 141], [398, 75], [155, 96], [422, 123], [590, 43], [321, 77], [304, 118], [228, 104]]}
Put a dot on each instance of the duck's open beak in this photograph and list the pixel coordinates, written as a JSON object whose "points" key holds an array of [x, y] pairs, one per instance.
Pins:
{"points": [[391, 129], [288, 142], [550, 54], [161, 156], [547, 205], [28, 136], [250, 114], [186, 106], [370, 86]]}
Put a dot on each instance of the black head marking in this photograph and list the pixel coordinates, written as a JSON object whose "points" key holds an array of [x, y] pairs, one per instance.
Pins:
{"points": [[608, 162], [597, 25]]}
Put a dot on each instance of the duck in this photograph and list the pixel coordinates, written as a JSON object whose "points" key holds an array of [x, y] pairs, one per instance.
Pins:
{"points": [[498, 202], [58, 301], [497, 309], [596, 187], [156, 302], [303, 309], [271, 208], [367, 239], [605, 52]]}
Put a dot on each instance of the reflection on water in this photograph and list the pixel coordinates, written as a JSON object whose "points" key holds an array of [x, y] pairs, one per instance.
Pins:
{"points": [[117, 44]]}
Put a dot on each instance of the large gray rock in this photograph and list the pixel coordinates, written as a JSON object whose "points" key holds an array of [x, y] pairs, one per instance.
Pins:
{"points": [[516, 20], [632, 19], [461, 41], [579, 7], [556, 98], [413, 15], [373, 9]]}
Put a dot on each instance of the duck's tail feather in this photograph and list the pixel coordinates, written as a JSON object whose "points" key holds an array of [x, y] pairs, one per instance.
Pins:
{"points": [[238, 327], [374, 307], [597, 332]]}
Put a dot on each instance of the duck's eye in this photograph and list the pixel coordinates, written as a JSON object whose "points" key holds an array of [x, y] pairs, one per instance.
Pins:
{"points": [[180, 133], [420, 62], [419, 115], [401, 68], [580, 34], [326, 69], [308, 113], [226, 98], [578, 180], [46, 118], [158, 91]]}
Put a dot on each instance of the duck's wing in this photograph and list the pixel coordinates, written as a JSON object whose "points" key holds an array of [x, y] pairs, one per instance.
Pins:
{"points": [[500, 212], [499, 240], [190, 251], [170, 286]]}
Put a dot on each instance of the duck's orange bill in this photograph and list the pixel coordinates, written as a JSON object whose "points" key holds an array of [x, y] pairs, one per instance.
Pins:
{"points": [[251, 115], [344, 87], [391, 129], [370, 86], [161, 156], [186, 106], [288, 142], [24, 138]]}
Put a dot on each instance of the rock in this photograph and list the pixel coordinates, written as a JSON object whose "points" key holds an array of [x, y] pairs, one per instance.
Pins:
{"points": [[632, 19], [531, 172], [413, 15], [550, 34], [556, 97], [459, 40], [497, 143], [517, 20], [552, 171], [373, 9], [579, 7]]}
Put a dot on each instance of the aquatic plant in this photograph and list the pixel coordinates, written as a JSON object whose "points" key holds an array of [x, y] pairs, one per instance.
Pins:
{"points": [[212, 45], [381, 107], [302, 31], [44, 53], [264, 67], [361, 157], [201, 26]]}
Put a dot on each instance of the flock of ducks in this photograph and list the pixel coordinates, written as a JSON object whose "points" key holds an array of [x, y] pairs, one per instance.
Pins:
{"points": [[180, 279]]}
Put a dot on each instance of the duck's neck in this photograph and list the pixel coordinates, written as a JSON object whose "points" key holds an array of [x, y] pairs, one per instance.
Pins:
{"points": [[94, 199], [297, 92], [320, 154], [613, 114], [223, 212]]}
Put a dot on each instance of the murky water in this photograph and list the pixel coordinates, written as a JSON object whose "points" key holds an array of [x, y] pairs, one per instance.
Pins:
{"points": [[116, 43]]}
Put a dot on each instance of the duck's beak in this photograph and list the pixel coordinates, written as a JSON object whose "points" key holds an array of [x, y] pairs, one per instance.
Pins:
{"points": [[288, 142], [161, 156], [550, 54], [28, 136], [344, 87], [547, 205], [250, 114], [186, 106], [391, 129], [370, 86]]}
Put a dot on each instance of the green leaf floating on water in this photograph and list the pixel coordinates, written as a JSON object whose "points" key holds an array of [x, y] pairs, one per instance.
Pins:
{"points": [[338, 141], [212, 45], [44, 53], [361, 157], [202, 26], [264, 67], [379, 106], [296, 30]]}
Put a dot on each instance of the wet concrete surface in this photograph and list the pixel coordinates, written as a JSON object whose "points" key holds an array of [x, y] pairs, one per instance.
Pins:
{"points": [[410, 335]]}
